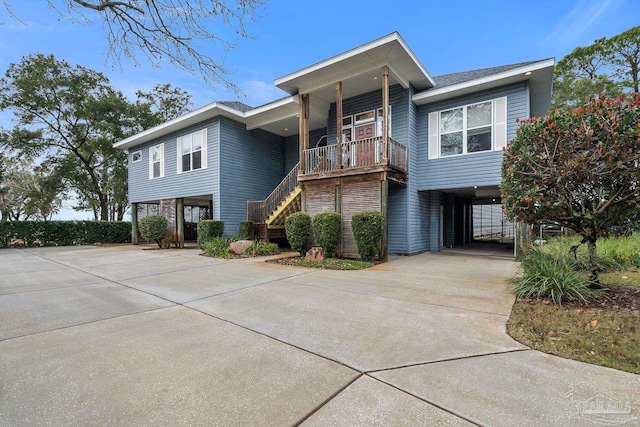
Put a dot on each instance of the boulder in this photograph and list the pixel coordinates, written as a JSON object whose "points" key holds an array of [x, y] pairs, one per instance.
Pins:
{"points": [[315, 254], [240, 246]]}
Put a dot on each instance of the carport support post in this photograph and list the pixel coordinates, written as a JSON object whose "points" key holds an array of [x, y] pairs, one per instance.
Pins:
{"points": [[134, 223], [180, 221], [384, 193]]}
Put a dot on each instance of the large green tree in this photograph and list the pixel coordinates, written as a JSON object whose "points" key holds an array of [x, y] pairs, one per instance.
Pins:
{"points": [[70, 117], [609, 66], [193, 35], [29, 190], [577, 168]]}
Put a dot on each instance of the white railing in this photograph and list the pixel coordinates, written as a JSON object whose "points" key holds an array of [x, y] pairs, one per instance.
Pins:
{"points": [[358, 154]]}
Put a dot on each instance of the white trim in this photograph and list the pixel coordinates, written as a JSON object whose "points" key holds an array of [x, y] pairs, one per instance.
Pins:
{"points": [[133, 155], [366, 120], [425, 96], [395, 36], [465, 129]]}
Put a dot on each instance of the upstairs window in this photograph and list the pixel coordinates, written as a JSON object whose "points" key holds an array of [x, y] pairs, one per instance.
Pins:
{"points": [[192, 151], [468, 129], [156, 161], [136, 156]]}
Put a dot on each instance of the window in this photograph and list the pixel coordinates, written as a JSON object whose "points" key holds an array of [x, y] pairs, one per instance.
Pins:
{"points": [[347, 129], [192, 151], [367, 116], [361, 118], [379, 124], [156, 161], [468, 129], [136, 156]]}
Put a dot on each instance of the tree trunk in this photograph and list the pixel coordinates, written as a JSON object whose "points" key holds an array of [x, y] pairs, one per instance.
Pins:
{"points": [[592, 264]]}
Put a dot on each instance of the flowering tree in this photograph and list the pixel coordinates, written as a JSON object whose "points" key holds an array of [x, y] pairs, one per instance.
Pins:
{"points": [[578, 168]]}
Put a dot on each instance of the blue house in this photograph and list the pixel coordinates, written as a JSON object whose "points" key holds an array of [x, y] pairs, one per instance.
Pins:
{"points": [[368, 129]]}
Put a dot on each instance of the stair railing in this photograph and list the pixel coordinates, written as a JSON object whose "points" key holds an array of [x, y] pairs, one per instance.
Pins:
{"points": [[258, 211]]}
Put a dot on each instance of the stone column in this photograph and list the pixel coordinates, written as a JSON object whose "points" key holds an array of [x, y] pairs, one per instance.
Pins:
{"points": [[180, 222]]}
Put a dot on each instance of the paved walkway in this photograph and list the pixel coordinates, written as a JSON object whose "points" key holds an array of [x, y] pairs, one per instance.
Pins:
{"points": [[125, 336]]}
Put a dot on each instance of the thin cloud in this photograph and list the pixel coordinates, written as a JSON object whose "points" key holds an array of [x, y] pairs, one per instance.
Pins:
{"points": [[259, 92], [574, 24]]}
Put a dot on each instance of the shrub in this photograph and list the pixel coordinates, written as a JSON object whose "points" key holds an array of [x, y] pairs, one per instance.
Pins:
{"points": [[297, 227], [209, 229], [326, 231], [261, 248], [63, 233], [368, 229], [217, 247], [551, 274], [154, 227], [247, 230]]}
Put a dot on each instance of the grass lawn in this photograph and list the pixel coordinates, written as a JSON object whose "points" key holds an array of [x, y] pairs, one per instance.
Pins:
{"points": [[328, 264], [604, 332]]}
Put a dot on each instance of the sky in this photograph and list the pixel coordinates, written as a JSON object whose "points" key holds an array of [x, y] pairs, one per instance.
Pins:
{"points": [[287, 35]]}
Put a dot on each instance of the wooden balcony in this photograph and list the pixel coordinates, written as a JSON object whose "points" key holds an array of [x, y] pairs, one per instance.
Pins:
{"points": [[358, 157]]}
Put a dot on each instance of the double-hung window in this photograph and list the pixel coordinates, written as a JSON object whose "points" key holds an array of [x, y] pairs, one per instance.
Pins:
{"points": [[156, 161], [468, 129], [192, 151]]}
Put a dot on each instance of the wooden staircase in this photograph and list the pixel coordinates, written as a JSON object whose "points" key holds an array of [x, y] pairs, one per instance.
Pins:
{"points": [[270, 214]]}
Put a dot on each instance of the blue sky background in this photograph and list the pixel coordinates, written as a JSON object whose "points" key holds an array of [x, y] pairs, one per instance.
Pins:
{"points": [[447, 36]]}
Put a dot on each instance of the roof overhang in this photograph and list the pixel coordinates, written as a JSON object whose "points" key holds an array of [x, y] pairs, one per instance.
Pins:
{"points": [[390, 50], [539, 74], [197, 116]]}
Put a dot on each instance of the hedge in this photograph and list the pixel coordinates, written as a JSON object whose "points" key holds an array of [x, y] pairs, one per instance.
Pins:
{"points": [[297, 227], [154, 227], [209, 229], [247, 230], [63, 233], [368, 229], [326, 231]]}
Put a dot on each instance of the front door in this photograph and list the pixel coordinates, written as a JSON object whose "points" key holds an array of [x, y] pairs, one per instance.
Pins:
{"points": [[365, 153]]}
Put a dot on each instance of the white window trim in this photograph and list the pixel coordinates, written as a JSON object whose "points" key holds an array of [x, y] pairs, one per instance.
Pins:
{"points": [[203, 151], [498, 128], [367, 120], [161, 161], [133, 155]]}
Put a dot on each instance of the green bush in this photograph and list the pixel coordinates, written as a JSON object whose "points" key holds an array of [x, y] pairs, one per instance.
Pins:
{"points": [[217, 247], [247, 230], [154, 227], [260, 248], [368, 230], [63, 233], [209, 229], [548, 273], [326, 231], [297, 227]]}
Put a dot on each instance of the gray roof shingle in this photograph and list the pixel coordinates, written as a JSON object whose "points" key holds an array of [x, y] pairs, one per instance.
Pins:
{"points": [[445, 80]]}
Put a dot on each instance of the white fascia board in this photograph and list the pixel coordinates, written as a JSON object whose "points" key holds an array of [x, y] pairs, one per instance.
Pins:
{"points": [[425, 96], [272, 106], [415, 59], [335, 59], [181, 122]]}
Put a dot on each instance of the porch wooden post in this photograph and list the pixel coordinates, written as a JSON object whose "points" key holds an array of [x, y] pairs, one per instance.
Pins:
{"points": [[339, 124], [180, 222], [301, 132], [385, 115], [134, 223]]}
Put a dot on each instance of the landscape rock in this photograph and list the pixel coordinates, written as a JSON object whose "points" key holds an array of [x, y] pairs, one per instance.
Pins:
{"points": [[240, 246], [315, 254]]}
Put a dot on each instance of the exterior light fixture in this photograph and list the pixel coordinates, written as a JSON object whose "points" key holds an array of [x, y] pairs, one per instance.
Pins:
{"points": [[375, 77], [528, 73], [286, 129]]}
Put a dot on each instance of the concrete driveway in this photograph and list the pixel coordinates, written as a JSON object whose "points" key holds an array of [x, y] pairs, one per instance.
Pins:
{"points": [[125, 336]]}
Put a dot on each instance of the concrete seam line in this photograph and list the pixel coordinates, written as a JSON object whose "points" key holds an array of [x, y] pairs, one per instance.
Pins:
{"points": [[473, 356], [427, 401], [52, 289], [327, 400], [399, 299], [243, 288], [90, 322], [272, 338]]}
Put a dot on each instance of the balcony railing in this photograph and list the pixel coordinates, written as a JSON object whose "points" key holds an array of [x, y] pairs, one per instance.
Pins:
{"points": [[358, 154]]}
